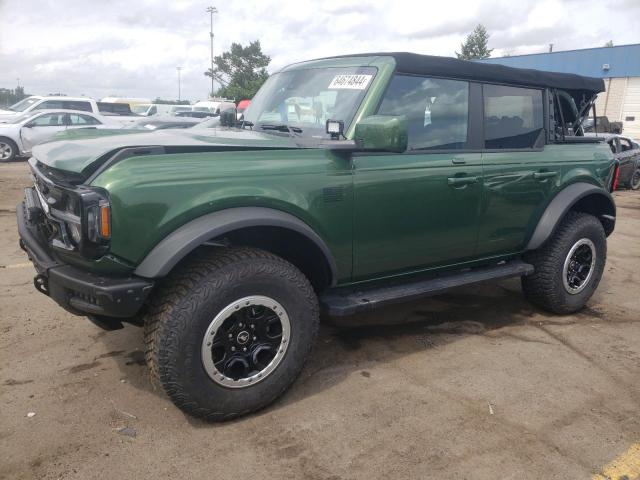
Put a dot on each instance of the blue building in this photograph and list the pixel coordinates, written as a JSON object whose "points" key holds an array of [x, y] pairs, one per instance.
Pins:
{"points": [[619, 66]]}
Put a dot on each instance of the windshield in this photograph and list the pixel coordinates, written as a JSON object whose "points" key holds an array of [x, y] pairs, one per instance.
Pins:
{"points": [[306, 99], [22, 105]]}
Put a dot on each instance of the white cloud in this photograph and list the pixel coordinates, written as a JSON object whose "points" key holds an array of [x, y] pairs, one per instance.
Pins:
{"points": [[133, 48]]}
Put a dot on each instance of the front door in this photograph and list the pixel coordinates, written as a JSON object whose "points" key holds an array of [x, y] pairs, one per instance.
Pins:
{"points": [[41, 129], [628, 157], [418, 209]]}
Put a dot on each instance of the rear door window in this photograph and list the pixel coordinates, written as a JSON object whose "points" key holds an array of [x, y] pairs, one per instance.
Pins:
{"points": [[513, 117], [437, 110]]}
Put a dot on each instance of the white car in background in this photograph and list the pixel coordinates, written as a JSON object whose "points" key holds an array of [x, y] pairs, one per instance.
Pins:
{"points": [[22, 132], [120, 112], [36, 102]]}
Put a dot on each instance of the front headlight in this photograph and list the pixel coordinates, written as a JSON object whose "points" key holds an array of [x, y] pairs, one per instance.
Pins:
{"points": [[75, 231], [86, 220]]}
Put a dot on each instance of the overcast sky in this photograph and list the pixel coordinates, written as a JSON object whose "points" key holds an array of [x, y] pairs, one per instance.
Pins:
{"points": [[132, 47]]}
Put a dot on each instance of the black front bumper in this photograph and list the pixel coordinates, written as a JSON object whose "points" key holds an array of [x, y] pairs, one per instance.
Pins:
{"points": [[78, 291]]}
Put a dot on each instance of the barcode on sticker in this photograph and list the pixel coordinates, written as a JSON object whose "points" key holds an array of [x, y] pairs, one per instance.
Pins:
{"points": [[355, 82]]}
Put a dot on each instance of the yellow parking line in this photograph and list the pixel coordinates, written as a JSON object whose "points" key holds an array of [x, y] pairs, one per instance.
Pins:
{"points": [[626, 466], [17, 265]]}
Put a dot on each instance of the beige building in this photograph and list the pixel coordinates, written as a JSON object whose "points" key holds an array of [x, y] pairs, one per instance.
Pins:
{"points": [[621, 102]]}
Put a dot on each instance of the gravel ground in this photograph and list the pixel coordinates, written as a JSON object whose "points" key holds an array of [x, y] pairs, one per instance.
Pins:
{"points": [[473, 384]]}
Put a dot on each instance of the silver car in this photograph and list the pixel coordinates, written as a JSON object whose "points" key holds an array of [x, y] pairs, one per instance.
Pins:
{"points": [[21, 133]]}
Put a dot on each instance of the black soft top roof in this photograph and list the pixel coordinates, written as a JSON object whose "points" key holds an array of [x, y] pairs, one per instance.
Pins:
{"points": [[413, 63]]}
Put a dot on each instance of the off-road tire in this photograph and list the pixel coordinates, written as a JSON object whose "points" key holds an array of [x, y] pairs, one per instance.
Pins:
{"points": [[14, 149], [185, 304], [545, 287]]}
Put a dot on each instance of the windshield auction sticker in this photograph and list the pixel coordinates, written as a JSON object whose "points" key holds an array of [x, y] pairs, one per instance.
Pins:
{"points": [[353, 82]]}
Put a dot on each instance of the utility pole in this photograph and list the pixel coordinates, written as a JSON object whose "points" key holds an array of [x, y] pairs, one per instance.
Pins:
{"points": [[551, 48], [178, 69], [211, 11]]}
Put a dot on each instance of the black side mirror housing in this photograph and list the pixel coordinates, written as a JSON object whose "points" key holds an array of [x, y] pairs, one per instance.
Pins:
{"points": [[228, 117]]}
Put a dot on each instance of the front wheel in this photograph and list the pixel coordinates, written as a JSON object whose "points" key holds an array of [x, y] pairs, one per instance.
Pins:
{"points": [[8, 150], [568, 268], [230, 331], [634, 183]]}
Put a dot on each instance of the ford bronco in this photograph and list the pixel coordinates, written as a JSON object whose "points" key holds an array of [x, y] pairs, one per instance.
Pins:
{"points": [[349, 183]]}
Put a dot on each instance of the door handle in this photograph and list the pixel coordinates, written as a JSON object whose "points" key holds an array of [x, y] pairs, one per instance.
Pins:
{"points": [[544, 175], [461, 181], [458, 161]]}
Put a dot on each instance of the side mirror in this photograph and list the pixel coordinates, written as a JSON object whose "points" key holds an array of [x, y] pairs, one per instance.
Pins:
{"points": [[382, 132], [228, 117], [29, 125]]}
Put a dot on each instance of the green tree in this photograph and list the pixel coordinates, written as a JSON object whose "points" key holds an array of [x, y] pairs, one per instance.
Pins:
{"points": [[241, 71], [476, 45], [609, 43], [8, 97]]}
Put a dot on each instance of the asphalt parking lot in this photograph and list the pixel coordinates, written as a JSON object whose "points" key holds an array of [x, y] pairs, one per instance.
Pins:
{"points": [[475, 384]]}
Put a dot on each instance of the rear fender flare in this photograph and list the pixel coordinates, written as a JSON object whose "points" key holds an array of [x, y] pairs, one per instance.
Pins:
{"points": [[166, 254], [564, 201]]}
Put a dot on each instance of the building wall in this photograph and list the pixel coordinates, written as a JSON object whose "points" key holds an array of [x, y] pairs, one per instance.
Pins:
{"points": [[609, 103], [631, 108], [623, 61]]}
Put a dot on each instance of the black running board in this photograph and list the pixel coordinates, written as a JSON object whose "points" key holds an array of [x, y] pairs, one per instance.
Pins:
{"points": [[340, 302]]}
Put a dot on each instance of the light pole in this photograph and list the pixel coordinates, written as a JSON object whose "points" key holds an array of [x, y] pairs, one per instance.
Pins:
{"points": [[211, 11], [178, 69]]}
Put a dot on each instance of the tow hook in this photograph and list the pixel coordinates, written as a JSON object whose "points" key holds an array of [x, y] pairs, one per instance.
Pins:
{"points": [[41, 283]]}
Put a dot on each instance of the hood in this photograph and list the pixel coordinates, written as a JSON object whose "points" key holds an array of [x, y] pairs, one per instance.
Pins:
{"points": [[7, 113], [78, 151]]}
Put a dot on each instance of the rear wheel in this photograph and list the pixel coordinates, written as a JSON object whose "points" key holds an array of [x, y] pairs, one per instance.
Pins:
{"points": [[230, 331], [8, 150], [569, 266]]}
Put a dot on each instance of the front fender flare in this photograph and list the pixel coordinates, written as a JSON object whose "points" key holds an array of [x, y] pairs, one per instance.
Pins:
{"points": [[563, 202], [166, 254]]}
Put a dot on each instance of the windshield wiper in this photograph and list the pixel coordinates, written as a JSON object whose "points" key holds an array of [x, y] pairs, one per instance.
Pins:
{"points": [[282, 128]]}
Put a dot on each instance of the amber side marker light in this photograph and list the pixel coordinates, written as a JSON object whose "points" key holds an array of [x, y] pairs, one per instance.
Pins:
{"points": [[105, 221]]}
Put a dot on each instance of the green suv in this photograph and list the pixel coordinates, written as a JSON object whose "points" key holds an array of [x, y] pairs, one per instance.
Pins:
{"points": [[350, 183]]}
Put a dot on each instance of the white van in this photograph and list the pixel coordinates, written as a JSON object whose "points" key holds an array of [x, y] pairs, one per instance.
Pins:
{"points": [[151, 109]]}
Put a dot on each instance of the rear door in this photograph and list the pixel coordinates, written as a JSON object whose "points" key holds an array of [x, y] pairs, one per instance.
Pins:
{"points": [[419, 209], [519, 175], [41, 129]]}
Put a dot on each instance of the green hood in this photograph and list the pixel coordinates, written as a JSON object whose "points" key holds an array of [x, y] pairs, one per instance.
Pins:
{"points": [[75, 151]]}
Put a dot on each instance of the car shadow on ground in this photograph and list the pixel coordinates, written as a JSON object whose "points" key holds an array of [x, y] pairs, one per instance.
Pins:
{"points": [[350, 344]]}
